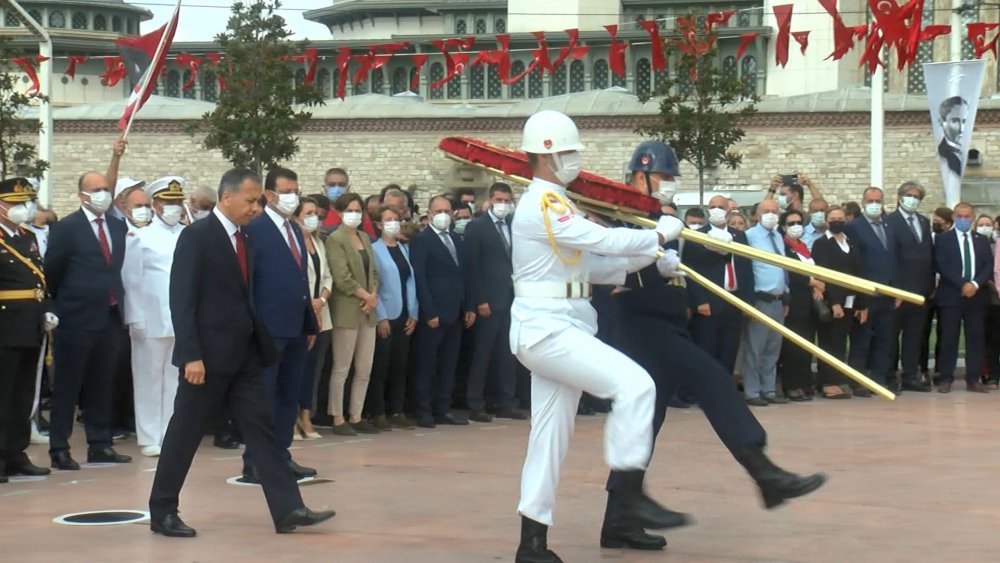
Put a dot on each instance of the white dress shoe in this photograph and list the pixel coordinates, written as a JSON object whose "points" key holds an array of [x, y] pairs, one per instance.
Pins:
{"points": [[296, 437], [151, 451]]}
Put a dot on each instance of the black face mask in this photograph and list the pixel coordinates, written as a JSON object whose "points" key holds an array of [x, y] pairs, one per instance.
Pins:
{"points": [[938, 228], [837, 227]]}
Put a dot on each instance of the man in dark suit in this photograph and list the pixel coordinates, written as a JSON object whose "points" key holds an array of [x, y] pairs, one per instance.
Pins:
{"points": [[444, 310], [221, 349], [963, 259], [282, 298], [716, 325], [872, 342], [486, 259], [915, 269], [953, 115], [83, 267]]}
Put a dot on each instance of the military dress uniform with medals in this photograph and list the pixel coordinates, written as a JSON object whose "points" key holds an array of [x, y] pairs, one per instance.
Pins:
{"points": [[22, 329]]}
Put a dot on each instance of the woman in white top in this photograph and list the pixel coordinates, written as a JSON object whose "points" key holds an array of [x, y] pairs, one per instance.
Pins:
{"points": [[320, 286]]}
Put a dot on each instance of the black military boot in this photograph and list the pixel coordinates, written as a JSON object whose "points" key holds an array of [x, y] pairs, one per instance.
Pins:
{"points": [[534, 544], [618, 532], [637, 508], [777, 485]]}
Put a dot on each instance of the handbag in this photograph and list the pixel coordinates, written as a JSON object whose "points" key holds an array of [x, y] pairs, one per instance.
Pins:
{"points": [[823, 311]]}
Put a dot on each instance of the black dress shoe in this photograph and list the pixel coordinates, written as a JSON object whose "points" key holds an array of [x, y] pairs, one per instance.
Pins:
{"points": [[3, 473], [534, 544], [630, 537], [300, 471], [450, 420], [919, 386], [25, 467], [480, 416], [250, 475], [426, 422], [512, 414], [777, 485], [638, 510], [107, 455], [172, 526], [62, 460], [226, 442], [302, 517]]}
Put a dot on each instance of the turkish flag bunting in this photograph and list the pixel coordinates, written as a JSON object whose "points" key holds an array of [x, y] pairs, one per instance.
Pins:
{"points": [[656, 43], [783, 14], [718, 18], [308, 56], [540, 56], [802, 38], [930, 32], [343, 62], [616, 51], [419, 60], [573, 51], [214, 58], [745, 40], [71, 65], [191, 62], [27, 64], [976, 33], [843, 36], [114, 71]]}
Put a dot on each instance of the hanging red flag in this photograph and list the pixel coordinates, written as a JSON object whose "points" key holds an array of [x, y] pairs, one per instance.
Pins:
{"points": [[451, 61], [191, 62], [930, 32], [364, 65], [802, 38], [419, 60], [843, 36], [659, 58], [71, 65], [540, 56], [214, 58], [343, 61], [616, 51], [146, 56], [745, 40], [114, 71], [976, 33], [308, 56], [718, 18], [783, 15], [893, 26], [573, 51], [27, 64]]}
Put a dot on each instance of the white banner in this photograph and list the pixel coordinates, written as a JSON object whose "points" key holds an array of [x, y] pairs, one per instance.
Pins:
{"points": [[953, 95]]}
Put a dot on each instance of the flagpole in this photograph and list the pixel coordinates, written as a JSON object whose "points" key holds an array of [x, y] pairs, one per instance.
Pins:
{"points": [[152, 67], [877, 126]]}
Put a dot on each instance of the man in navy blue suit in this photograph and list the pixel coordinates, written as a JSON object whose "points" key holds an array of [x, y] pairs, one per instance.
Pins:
{"points": [[444, 310], [872, 343], [83, 268], [281, 294], [963, 259]]}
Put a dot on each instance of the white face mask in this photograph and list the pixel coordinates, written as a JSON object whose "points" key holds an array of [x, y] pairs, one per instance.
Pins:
{"points": [[391, 228], [985, 230], [693, 225], [873, 210], [352, 219], [287, 203], [502, 209], [769, 221], [783, 201], [21, 213], [818, 219], [567, 166], [996, 236], [141, 216], [99, 201], [199, 215], [717, 217], [460, 225], [665, 190], [310, 223], [794, 231], [171, 214], [909, 203], [441, 221]]}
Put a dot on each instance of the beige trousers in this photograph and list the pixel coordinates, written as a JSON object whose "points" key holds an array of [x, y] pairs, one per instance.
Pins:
{"points": [[357, 344]]}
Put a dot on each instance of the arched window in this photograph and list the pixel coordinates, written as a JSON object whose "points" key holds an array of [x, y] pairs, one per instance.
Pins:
{"points": [[209, 86], [476, 78], [500, 25], [577, 81], [173, 84], [400, 80], [729, 67], [36, 15], [559, 80], [600, 74], [57, 19], [617, 80], [643, 77], [535, 84], [748, 72], [335, 83], [480, 27], [116, 24], [100, 23], [743, 18], [455, 87], [661, 77], [437, 73], [189, 93], [80, 20], [414, 79], [10, 19], [129, 26], [461, 28], [323, 82], [517, 88], [360, 87], [494, 87], [378, 81]]}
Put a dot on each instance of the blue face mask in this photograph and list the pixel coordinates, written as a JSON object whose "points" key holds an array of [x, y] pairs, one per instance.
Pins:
{"points": [[333, 191], [963, 223]]}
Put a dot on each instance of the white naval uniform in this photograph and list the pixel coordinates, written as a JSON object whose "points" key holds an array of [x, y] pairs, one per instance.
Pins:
{"points": [[554, 338], [149, 255]]}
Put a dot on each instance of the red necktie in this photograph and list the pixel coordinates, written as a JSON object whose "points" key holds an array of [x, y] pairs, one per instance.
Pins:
{"points": [[241, 255], [293, 245], [730, 275], [103, 239]]}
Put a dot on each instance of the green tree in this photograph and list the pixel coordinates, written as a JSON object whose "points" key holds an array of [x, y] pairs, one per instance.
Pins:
{"points": [[702, 105], [18, 157], [255, 120]]}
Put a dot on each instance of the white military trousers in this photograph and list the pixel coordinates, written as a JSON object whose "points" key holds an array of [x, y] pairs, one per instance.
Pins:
{"points": [[562, 366], [155, 381]]}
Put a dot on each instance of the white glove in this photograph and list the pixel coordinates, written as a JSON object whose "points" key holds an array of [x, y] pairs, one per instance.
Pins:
{"points": [[721, 235], [51, 322], [669, 227], [668, 263]]}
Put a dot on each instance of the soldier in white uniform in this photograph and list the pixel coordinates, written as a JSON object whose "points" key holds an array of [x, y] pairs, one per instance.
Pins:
{"points": [[557, 254], [149, 255]]}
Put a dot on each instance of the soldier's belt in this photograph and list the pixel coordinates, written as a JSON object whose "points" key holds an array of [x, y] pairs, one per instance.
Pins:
{"points": [[22, 295], [552, 290]]}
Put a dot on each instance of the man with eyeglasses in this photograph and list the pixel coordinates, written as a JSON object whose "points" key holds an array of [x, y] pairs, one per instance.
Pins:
{"points": [[335, 184]]}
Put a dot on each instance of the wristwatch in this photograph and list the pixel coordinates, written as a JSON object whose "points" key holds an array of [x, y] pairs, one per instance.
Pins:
{"points": [[323, 299]]}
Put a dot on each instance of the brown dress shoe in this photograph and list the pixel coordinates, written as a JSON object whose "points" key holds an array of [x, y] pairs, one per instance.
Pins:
{"points": [[976, 387], [945, 387]]}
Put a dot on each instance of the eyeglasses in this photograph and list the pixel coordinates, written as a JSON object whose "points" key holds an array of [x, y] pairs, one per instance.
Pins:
{"points": [[793, 223]]}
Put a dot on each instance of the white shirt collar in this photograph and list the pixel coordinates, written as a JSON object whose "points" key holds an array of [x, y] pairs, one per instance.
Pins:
{"points": [[538, 183], [91, 217], [231, 227], [437, 230], [276, 218], [905, 214], [493, 218]]}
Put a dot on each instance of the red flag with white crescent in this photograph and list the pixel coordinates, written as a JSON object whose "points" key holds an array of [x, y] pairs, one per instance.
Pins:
{"points": [[144, 57]]}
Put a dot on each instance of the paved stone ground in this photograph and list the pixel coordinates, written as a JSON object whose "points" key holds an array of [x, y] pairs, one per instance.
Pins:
{"points": [[910, 481]]}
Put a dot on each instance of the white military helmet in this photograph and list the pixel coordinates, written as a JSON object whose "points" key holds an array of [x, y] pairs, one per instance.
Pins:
{"points": [[550, 132]]}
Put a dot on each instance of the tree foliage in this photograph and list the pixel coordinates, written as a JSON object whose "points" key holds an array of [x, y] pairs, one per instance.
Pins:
{"points": [[702, 106], [18, 156], [255, 120]]}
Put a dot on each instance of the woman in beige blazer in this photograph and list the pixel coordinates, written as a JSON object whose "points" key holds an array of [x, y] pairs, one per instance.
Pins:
{"points": [[355, 281], [320, 289]]}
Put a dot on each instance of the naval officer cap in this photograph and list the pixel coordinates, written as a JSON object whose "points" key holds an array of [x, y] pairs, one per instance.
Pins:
{"points": [[167, 188], [16, 190]]}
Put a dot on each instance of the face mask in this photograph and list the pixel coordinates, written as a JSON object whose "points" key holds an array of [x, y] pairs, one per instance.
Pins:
{"points": [[783, 201], [19, 214], [502, 210], [985, 230], [818, 219], [287, 203], [333, 191], [693, 225], [441, 221], [794, 231], [873, 210], [141, 216], [99, 201], [963, 223], [567, 166], [837, 227], [666, 190], [996, 236], [909, 203], [460, 225], [310, 223], [717, 216], [352, 219], [200, 214], [391, 227], [171, 214], [769, 221], [938, 228]]}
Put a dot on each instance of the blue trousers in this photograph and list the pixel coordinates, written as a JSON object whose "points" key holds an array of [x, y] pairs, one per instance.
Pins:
{"points": [[284, 382]]}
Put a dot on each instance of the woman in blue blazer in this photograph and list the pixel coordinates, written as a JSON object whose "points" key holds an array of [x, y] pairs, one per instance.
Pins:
{"points": [[396, 312]]}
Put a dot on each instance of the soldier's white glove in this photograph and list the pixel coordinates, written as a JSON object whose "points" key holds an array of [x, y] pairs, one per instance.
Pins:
{"points": [[51, 322], [668, 263], [669, 227], [721, 235]]}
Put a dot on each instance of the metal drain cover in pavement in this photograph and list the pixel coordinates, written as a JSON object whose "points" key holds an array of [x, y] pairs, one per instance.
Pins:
{"points": [[102, 518]]}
